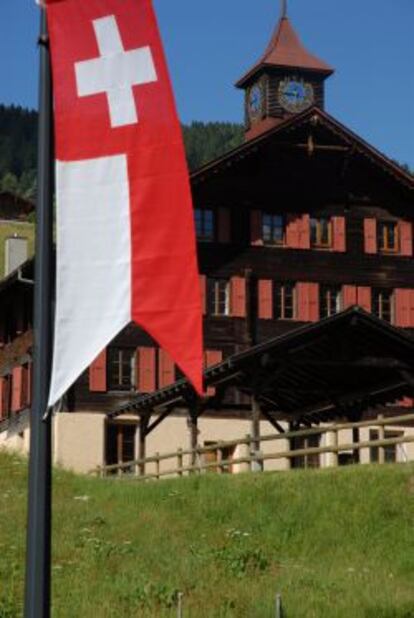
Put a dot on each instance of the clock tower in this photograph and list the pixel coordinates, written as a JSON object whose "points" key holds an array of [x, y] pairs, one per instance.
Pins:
{"points": [[285, 81]]}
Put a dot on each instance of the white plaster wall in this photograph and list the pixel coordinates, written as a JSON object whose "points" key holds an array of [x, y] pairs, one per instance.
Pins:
{"points": [[79, 441]]}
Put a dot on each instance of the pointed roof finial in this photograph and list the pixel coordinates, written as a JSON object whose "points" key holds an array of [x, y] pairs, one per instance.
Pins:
{"points": [[284, 9]]}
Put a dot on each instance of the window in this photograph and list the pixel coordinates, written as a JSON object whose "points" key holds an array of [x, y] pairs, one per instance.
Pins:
{"points": [[120, 445], [387, 236], [390, 452], [218, 297], [330, 300], [204, 223], [273, 229], [121, 368], [383, 304], [284, 301], [305, 461], [225, 453], [321, 232]]}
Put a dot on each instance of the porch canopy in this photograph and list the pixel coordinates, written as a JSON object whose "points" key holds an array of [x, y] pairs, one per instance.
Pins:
{"points": [[339, 367]]}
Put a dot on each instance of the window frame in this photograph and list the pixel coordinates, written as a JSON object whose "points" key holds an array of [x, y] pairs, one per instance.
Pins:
{"points": [[216, 287], [200, 224], [279, 300], [383, 237], [122, 363], [319, 243], [271, 218], [326, 298], [390, 451], [377, 297]]}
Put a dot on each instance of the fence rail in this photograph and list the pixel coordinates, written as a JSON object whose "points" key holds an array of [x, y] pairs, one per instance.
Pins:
{"points": [[255, 459]]}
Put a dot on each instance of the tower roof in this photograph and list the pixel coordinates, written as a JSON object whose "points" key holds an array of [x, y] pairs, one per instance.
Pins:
{"points": [[286, 50]]}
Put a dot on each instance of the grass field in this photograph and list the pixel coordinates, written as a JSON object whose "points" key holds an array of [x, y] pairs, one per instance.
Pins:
{"points": [[334, 543], [9, 229]]}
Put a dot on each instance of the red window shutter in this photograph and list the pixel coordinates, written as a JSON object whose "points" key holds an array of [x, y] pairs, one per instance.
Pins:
{"points": [[238, 297], [97, 374], [406, 238], [314, 302], [402, 307], [4, 397], [265, 298], [349, 296], [256, 230], [308, 302], [203, 285], [292, 231], [24, 397], [29, 384], [166, 369], [17, 389], [370, 235], [212, 357], [224, 231], [407, 402], [145, 370], [339, 234], [364, 298], [411, 318], [304, 232], [302, 300]]}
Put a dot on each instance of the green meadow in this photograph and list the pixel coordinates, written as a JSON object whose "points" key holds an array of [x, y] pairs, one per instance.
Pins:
{"points": [[334, 543]]}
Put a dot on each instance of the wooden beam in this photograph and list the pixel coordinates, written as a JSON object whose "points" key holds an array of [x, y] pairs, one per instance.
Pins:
{"points": [[273, 421]]}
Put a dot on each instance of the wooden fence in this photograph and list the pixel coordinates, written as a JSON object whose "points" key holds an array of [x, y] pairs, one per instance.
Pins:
{"points": [[196, 461]]}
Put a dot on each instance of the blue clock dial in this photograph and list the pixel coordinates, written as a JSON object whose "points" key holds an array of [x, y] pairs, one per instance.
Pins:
{"points": [[295, 95]]}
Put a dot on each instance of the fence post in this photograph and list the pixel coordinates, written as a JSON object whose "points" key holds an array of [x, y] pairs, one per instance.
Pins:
{"points": [[381, 436], [157, 466], [279, 608], [257, 463], [180, 605], [180, 461], [219, 458], [332, 437]]}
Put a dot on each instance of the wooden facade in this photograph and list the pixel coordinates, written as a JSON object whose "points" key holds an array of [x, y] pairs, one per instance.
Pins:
{"points": [[302, 221]]}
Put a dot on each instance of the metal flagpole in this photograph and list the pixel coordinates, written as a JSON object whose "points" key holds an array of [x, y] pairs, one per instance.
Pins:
{"points": [[38, 556]]}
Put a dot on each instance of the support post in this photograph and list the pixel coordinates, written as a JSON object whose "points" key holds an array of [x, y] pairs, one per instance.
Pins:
{"points": [[193, 414], [143, 427], [257, 464], [356, 440], [38, 554], [180, 461], [381, 436]]}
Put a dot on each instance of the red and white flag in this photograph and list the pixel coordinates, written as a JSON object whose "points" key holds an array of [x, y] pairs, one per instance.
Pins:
{"points": [[125, 232]]}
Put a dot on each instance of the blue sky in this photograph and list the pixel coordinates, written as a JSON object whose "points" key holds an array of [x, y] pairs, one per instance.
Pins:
{"points": [[210, 43]]}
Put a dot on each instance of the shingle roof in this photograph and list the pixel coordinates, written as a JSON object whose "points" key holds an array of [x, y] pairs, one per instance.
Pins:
{"points": [[285, 49]]}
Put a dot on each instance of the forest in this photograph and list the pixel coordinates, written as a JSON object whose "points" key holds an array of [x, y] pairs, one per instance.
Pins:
{"points": [[18, 134], [18, 127]]}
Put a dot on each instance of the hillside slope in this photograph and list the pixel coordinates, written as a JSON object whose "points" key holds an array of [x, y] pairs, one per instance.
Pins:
{"points": [[334, 543]]}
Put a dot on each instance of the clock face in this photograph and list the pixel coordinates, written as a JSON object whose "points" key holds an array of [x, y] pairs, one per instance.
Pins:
{"points": [[255, 102], [295, 95]]}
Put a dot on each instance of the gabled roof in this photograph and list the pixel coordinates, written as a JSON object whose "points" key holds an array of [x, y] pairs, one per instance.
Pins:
{"points": [[312, 117], [338, 367], [285, 49]]}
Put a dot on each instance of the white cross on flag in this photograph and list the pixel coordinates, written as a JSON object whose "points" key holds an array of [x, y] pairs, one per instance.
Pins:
{"points": [[125, 232]]}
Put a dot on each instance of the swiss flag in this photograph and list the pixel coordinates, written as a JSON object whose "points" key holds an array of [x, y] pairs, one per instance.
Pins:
{"points": [[125, 232]]}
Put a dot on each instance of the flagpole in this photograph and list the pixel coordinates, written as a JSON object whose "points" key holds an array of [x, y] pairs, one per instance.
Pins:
{"points": [[38, 552]]}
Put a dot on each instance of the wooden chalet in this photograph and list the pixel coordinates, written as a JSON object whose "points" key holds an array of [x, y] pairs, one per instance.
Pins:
{"points": [[302, 222]]}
